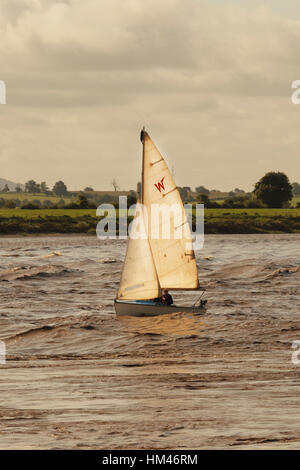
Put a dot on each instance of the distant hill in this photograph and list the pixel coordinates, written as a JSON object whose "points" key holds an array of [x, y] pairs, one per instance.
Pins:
{"points": [[10, 184]]}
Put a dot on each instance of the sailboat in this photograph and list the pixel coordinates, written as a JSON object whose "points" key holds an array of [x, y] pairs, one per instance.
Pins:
{"points": [[154, 262]]}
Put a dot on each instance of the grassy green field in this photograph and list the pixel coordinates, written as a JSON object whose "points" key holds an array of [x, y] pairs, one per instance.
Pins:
{"points": [[253, 212], [44, 213], [294, 201], [209, 213], [32, 196], [25, 221], [55, 199], [252, 220]]}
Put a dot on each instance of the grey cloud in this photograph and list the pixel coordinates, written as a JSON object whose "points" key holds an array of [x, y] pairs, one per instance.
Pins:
{"points": [[78, 73]]}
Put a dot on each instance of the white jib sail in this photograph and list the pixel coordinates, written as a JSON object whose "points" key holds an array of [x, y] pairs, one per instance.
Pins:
{"points": [[172, 252], [139, 278]]}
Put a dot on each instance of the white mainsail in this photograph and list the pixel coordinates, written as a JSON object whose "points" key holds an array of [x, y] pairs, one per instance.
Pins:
{"points": [[174, 258], [139, 279]]}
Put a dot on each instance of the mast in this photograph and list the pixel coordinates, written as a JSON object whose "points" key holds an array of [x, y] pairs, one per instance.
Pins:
{"points": [[143, 158], [143, 134]]}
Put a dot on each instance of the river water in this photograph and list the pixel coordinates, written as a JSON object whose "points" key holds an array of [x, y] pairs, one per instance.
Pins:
{"points": [[78, 377]]}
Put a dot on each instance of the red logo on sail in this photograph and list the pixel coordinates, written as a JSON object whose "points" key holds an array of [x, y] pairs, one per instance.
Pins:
{"points": [[160, 185]]}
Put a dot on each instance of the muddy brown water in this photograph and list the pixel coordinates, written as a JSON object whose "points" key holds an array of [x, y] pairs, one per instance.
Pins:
{"points": [[77, 377]]}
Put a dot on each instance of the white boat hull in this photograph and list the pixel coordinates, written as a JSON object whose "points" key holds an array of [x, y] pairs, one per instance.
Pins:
{"points": [[133, 308]]}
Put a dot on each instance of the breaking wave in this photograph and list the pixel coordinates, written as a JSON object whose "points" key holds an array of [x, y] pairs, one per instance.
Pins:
{"points": [[30, 272]]}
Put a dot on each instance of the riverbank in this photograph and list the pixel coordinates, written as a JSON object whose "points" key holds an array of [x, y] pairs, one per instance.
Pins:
{"points": [[84, 221]]}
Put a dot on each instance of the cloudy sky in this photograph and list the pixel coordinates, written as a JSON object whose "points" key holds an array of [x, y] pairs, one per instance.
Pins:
{"points": [[210, 80]]}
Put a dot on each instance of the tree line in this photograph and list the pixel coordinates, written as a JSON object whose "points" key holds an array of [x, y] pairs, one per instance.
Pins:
{"points": [[272, 190], [59, 189], [31, 186], [80, 201]]}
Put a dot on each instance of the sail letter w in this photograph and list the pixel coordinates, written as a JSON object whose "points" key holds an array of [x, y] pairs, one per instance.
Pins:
{"points": [[160, 185]]}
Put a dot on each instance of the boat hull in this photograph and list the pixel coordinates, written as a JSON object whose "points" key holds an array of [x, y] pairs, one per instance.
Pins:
{"points": [[147, 309]]}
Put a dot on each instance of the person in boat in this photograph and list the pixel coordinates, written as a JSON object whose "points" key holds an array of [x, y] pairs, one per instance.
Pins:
{"points": [[166, 298]]}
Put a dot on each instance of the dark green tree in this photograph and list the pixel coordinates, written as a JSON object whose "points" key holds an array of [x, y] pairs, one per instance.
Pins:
{"points": [[60, 189], [10, 204], [44, 187], [131, 199], [37, 203], [105, 198], [296, 189], [274, 189], [61, 204], [83, 202], [202, 190], [183, 193], [203, 199], [32, 187], [5, 189], [239, 191], [47, 204]]}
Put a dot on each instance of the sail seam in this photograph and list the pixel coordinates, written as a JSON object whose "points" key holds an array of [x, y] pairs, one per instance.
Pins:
{"points": [[157, 161], [166, 194], [181, 225]]}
